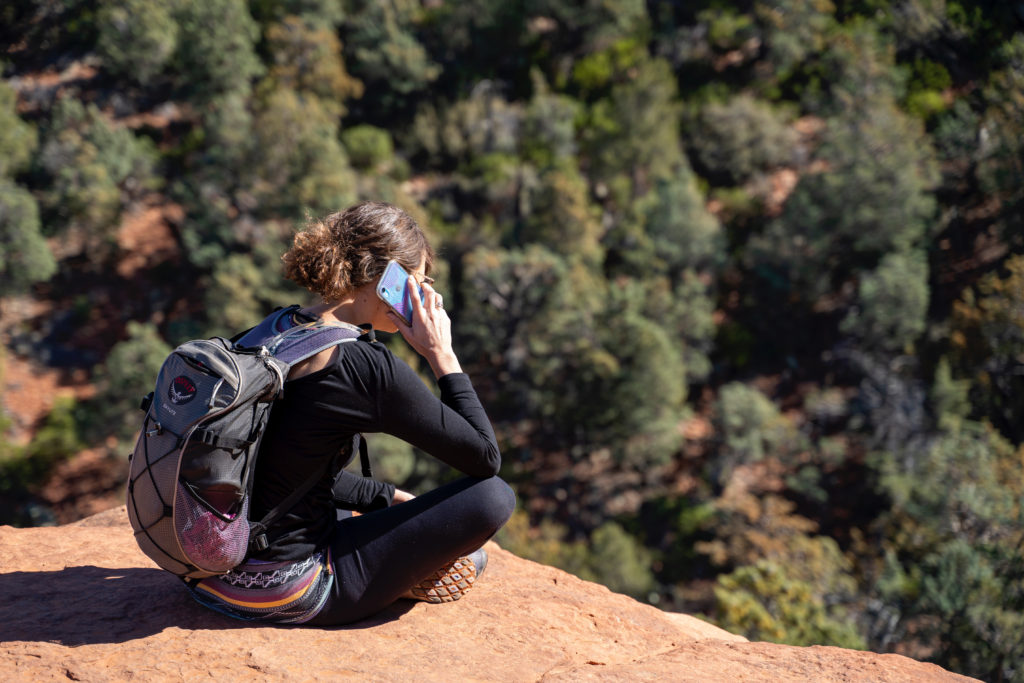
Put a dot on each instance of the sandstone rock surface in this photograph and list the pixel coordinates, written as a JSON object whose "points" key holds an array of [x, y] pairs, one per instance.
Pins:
{"points": [[80, 602]]}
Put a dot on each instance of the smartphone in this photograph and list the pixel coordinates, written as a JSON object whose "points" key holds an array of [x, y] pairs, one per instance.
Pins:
{"points": [[393, 289]]}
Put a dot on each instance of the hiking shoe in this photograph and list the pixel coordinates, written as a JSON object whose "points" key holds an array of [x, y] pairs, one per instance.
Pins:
{"points": [[449, 583]]}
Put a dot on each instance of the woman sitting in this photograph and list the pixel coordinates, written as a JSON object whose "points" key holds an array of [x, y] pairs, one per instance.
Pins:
{"points": [[322, 566]]}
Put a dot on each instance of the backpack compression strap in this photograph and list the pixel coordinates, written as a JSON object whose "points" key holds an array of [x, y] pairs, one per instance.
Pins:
{"points": [[258, 531]]}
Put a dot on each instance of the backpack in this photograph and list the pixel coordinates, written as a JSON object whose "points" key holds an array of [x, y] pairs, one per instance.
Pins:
{"points": [[192, 469]]}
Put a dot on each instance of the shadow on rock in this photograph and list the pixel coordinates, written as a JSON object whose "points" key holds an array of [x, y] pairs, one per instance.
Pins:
{"points": [[88, 605]]}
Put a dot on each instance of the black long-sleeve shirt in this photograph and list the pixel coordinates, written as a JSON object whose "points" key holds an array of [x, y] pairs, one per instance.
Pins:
{"points": [[311, 429]]}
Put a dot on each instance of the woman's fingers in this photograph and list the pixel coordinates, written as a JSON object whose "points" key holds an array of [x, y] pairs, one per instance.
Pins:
{"points": [[425, 313], [417, 305], [433, 302], [431, 297], [430, 333]]}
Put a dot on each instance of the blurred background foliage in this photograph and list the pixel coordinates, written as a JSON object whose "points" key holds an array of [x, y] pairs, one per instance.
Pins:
{"points": [[740, 283]]}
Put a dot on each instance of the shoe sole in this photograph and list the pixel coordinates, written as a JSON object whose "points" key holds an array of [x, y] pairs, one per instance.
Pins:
{"points": [[447, 584]]}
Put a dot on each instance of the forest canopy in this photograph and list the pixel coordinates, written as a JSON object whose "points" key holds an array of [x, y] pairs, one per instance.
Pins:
{"points": [[740, 283]]}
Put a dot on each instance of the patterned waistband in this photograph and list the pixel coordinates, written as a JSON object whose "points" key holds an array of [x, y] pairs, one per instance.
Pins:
{"points": [[284, 592], [267, 575]]}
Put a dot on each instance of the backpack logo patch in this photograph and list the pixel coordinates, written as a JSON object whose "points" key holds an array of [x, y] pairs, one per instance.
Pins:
{"points": [[181, 391]]}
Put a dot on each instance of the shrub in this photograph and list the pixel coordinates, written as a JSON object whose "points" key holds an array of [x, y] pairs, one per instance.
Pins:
{"points": [[369, 148], [892, 304], [733, 140], [25, 257], [136, 37]]}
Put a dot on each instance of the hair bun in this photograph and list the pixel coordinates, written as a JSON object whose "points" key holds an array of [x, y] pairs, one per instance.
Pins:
{"points": [[342, 252]]}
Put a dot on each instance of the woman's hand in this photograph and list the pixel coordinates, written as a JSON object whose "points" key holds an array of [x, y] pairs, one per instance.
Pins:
{"points": [[430, 333], [401, 496]]}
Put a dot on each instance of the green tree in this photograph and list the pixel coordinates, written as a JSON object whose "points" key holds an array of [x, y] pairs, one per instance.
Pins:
{"points": [[956, 133], [629, 142], [856, 69], [631, 388], [978, 592], [872, 197], [728, 28], [508, 297], [892, 304], [576, 358], [314, 13], [591, 25], [919, 22], [619, 561], [1001, 163], [560, 215], [95, 168], [298, 163], [18, 139], [369, 148], [308, 61], [128, 373], [244, 287], [763, 602], [783, 583], [751, 427], [685, 309], [136, 37], [216, 179], [683, 234], [549, 126], [925, 90], [954, 571], [482, 123], [988, 340], [24, 256], [737, 138], [610, 556], [632, 133], [382, 46], [216, 48], [794, 30], [24, 468], [949, 395]]}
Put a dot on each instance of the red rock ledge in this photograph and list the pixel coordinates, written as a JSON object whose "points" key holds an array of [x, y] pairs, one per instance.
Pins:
{"points": [[80, 602]]}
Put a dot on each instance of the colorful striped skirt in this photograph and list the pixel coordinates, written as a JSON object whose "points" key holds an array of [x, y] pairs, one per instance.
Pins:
{"points": [[283, 592]]}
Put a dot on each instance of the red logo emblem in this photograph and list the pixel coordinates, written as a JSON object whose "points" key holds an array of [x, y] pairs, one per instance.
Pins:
{"points": [[181, 391]]}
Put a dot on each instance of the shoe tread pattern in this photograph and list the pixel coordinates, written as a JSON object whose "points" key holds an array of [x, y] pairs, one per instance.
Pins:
{"points": [[447, 584]]}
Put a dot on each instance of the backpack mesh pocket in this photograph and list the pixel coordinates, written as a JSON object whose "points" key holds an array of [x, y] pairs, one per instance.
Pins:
{"points": [[209, 542]]}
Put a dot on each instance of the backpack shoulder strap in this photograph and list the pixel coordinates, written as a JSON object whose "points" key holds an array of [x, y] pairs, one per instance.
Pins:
{"points": [[304, 341], [296, 343]]}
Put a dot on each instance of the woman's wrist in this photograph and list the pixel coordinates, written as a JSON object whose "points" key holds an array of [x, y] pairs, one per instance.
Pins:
{"points": [[444, 364]]}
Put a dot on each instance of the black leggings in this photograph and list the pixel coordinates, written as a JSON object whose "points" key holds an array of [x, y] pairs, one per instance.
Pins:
{"points": [[380, 555]]}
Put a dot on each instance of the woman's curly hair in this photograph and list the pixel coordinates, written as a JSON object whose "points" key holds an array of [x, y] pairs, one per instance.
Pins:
{"points": [[344, 251]]}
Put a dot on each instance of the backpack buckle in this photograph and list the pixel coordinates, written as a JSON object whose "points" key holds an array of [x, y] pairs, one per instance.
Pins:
{"points": [[155, 431]]}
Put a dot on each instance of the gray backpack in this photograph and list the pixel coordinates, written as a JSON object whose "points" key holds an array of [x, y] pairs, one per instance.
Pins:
{"points": [[192, 468]]}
